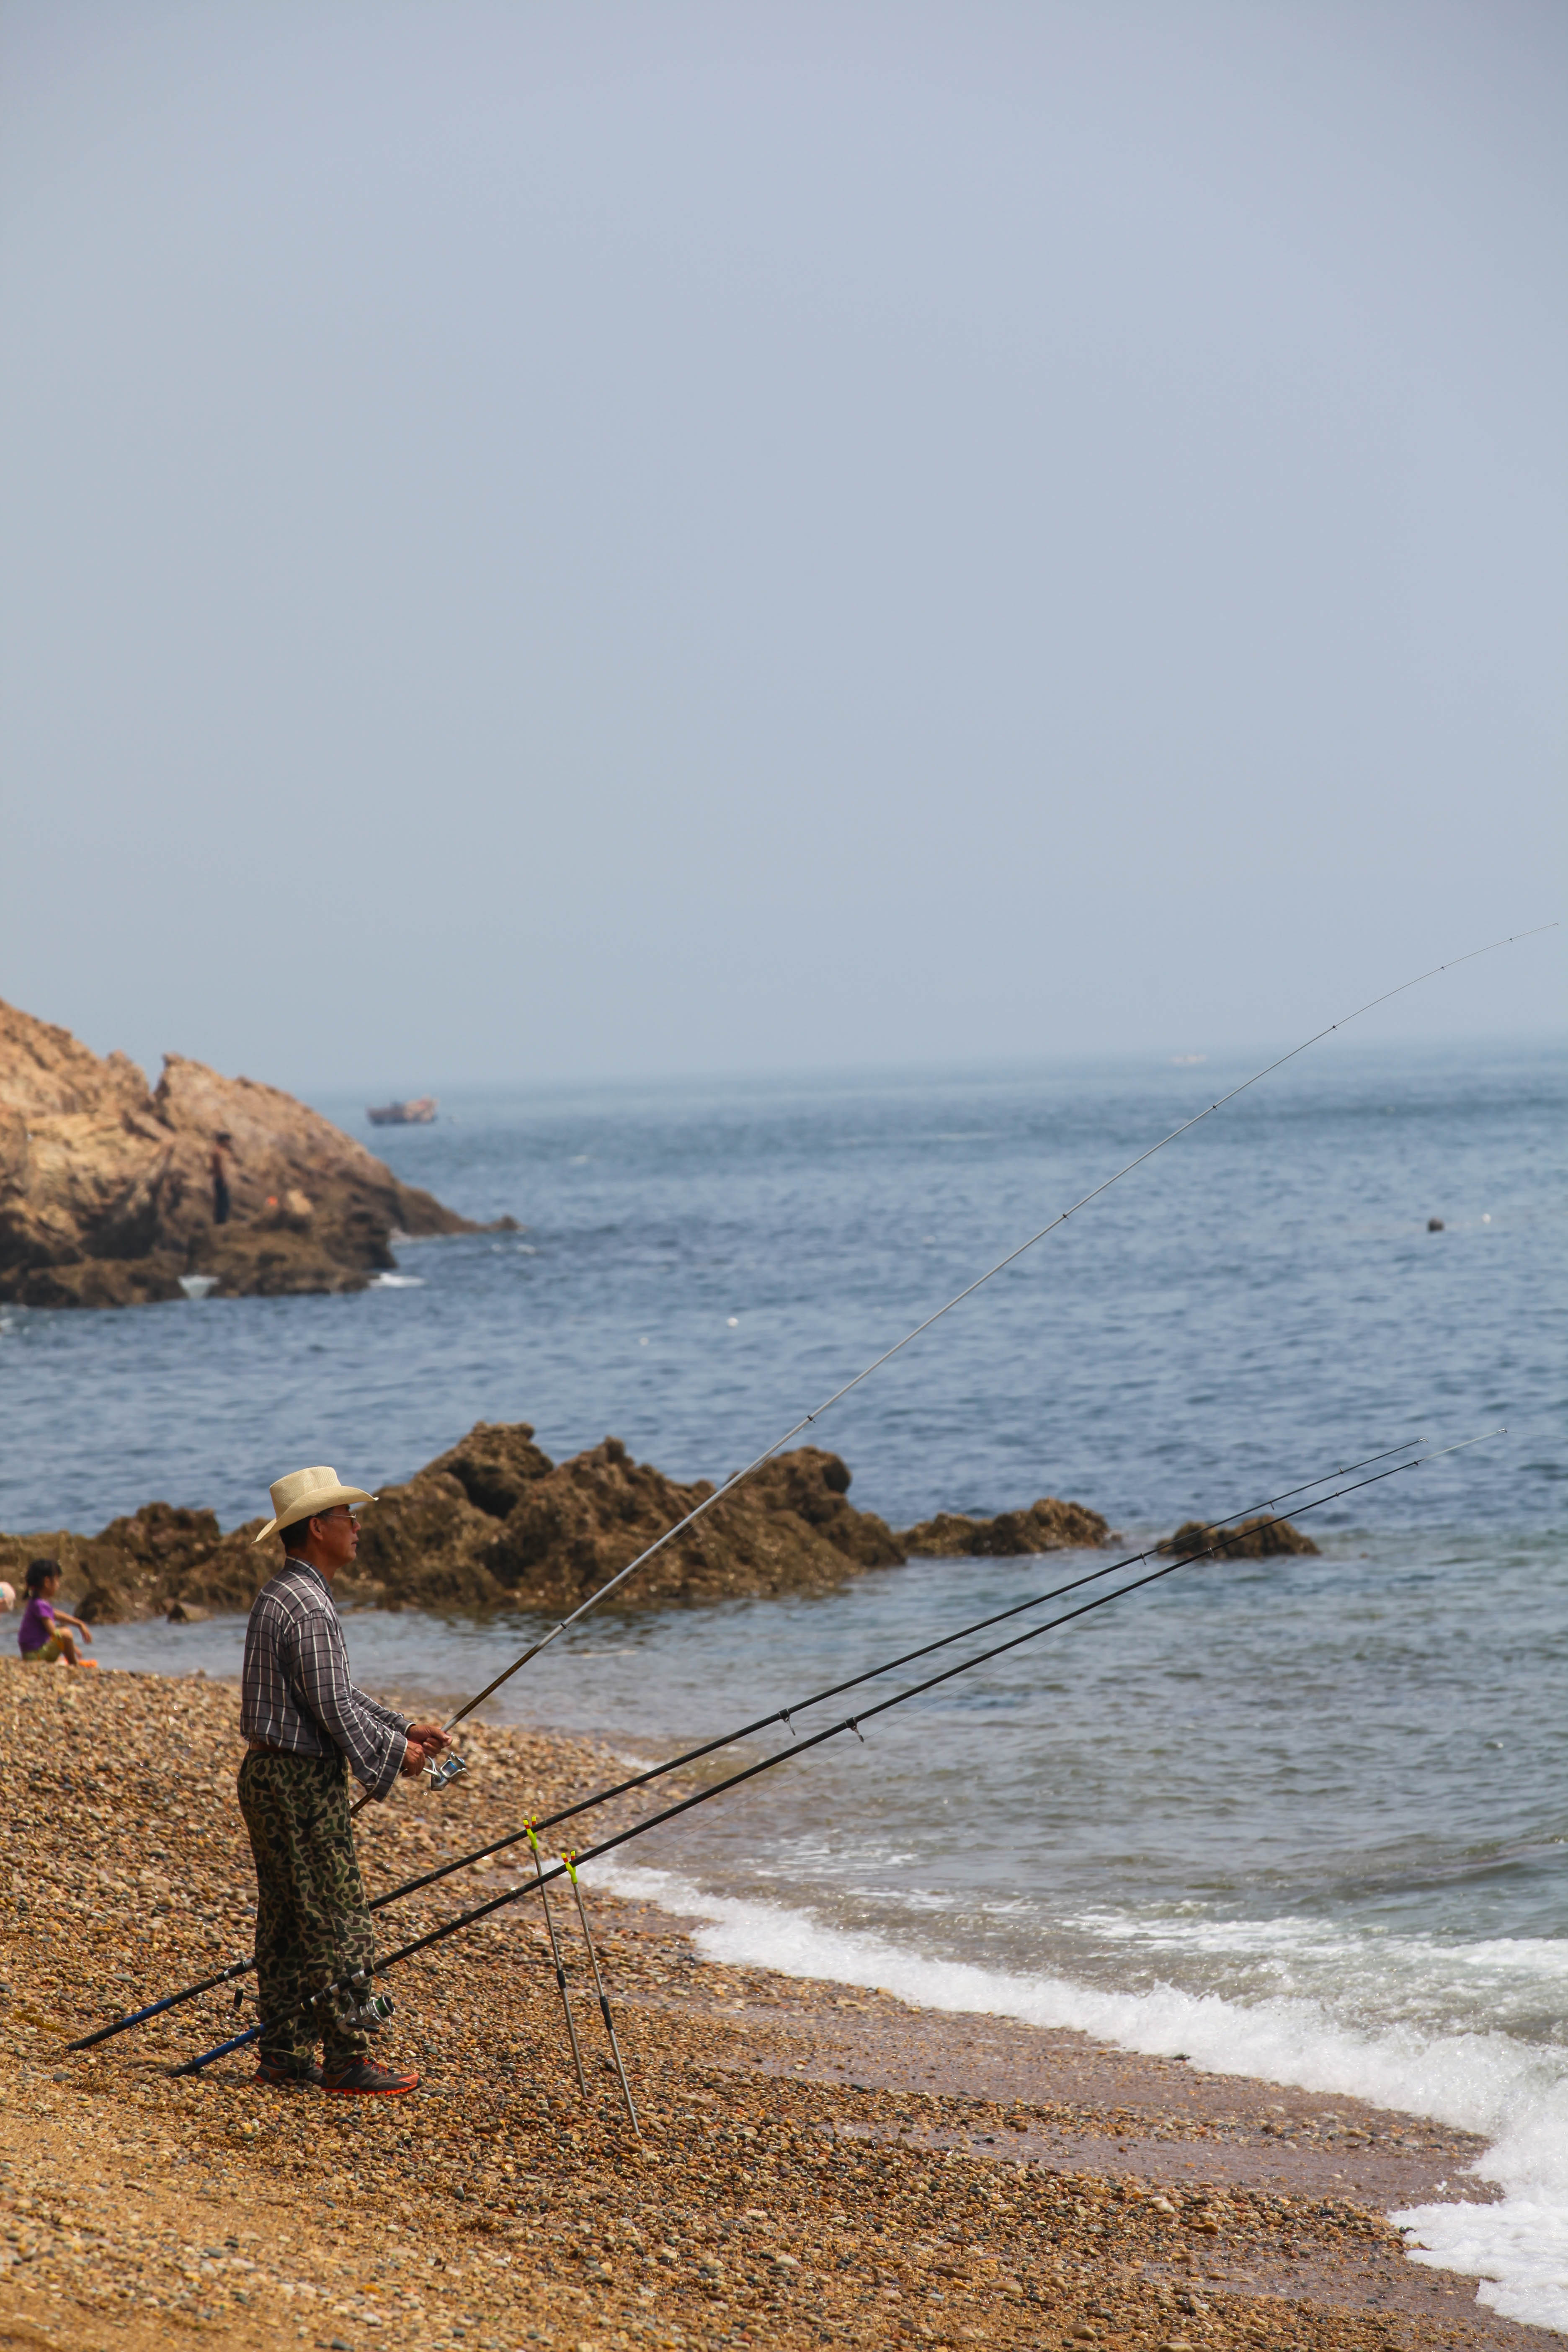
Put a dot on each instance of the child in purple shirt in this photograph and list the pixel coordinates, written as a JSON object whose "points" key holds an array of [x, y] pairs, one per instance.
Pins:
{"points": [[38, 1636]]}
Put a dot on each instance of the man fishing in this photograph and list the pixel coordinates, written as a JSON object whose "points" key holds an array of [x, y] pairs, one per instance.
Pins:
{"points": [[305, 1722]]}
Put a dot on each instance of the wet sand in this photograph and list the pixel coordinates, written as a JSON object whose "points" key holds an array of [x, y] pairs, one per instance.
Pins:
{"points": [[817, 2164]]}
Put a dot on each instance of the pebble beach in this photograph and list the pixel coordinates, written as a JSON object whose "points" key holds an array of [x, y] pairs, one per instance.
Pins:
{"points": [[817, 2163]]}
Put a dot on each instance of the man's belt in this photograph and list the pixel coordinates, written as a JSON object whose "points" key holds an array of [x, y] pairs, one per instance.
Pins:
{"points": [[300, 1754]]}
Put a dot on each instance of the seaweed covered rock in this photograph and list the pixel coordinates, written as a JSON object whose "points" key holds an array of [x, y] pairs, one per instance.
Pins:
{"points": [[1259, 1538], [126, 1570], [493, 1523], [815, 1487], [787, 1528], [494, 1463], [421, 1547], [1047, 1524]]}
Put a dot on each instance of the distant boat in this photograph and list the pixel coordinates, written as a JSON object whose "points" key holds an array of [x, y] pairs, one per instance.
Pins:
{"points": [[420, 1112]]}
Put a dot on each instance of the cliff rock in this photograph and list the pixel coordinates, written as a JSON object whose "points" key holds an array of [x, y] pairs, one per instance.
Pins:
{"points": [[107, 1195], [494, 1523]]}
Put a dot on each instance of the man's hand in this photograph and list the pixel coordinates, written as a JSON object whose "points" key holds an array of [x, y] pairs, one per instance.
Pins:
{"points": [[430, 1736], [413, 1763]]}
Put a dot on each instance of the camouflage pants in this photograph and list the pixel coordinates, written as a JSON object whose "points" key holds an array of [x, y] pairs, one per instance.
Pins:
{"points": [[312, 1923]]}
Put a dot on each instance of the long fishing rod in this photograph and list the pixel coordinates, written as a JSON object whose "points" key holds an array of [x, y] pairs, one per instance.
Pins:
{"points": [[806, 1420], [570, 1861], [728, 1739], [802, 1747], [558, 1964]]}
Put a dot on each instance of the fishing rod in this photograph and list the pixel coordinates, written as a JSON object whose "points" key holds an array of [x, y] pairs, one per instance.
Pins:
{"points": [[728, 1484], [570, 1862], [728, 1739], [558, 1964], [802, 1747]]}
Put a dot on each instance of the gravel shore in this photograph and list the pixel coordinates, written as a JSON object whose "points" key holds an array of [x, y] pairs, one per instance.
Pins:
{"points": [[819, 2164]]}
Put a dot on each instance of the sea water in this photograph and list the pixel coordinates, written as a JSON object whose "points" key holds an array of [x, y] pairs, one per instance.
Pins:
{"points": [[1302, 1818]]}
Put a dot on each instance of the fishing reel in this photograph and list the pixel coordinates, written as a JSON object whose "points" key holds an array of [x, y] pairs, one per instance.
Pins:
{"points": [[441, 1771], [366, 2007], [357, 2002]]}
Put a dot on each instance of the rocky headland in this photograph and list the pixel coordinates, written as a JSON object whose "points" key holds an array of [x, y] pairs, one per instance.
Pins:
{"points": [[495, 1523], [109, 1197]]}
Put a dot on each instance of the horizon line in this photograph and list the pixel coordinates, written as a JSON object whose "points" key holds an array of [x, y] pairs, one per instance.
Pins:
{"points": [[1162, 1057]]}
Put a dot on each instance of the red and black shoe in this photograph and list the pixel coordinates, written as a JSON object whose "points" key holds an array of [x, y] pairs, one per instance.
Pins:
{"points": [[284, 2077], [360, 2079]]}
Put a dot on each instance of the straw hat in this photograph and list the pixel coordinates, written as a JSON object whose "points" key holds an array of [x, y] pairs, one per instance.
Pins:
{"points": [[305, 1495]]}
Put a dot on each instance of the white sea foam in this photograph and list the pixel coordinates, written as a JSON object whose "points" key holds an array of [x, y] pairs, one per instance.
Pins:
{"points": [[397, 1282], [1512, 2092]]}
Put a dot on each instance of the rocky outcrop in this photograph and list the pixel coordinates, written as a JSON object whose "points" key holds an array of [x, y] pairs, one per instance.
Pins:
{"points": [[494, 1523], [787, 1528], [1259, 1538], [136, 1568], [108, 1195], [1046, 1526]]}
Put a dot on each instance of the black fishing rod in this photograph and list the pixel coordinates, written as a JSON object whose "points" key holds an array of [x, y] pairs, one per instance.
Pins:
{"points": [[728, 1739], [360, 1977], [806, 1420]]}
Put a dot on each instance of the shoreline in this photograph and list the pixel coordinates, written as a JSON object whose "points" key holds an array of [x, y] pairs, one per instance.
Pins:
{"points": [[819, 2164]]}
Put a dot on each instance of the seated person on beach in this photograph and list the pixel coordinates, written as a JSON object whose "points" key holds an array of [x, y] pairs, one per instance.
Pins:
{"points": [[38, 1636]]}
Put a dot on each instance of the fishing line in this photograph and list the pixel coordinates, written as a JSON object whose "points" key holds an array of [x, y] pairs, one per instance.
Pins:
{"points": [[729, 1483], [815, 1739], [728, 1739]]}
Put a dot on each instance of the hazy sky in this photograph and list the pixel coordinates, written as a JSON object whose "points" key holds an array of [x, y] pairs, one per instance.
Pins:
{"points": [[549, 539]]}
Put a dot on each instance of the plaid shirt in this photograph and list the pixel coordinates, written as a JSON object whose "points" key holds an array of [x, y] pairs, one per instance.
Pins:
{"points": [[295, 1692]]}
